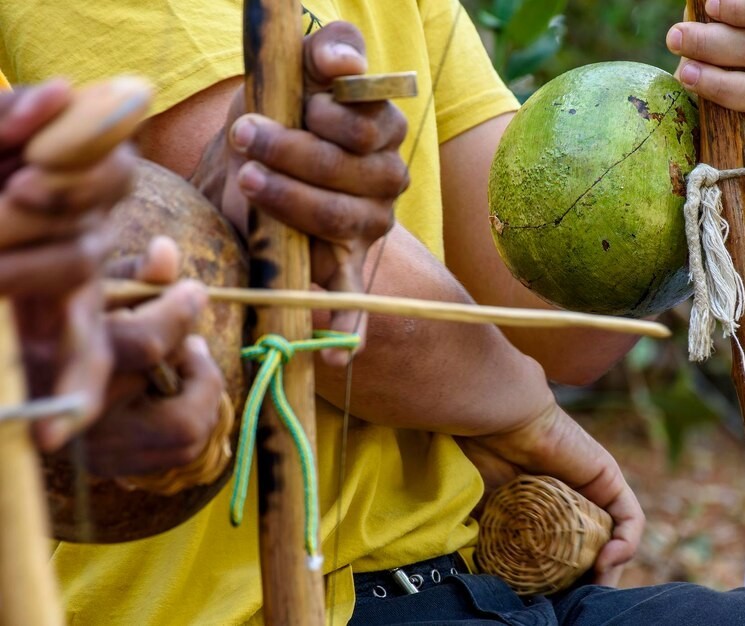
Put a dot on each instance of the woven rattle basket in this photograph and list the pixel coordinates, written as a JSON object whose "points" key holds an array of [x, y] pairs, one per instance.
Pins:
{"points": [[539, 535]]}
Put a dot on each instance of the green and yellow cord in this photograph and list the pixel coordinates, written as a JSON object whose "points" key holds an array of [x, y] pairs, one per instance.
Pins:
{"points": [[273, 351]]}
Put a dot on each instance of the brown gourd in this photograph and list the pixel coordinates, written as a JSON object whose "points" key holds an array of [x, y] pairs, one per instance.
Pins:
{"points": [[90, 509]]}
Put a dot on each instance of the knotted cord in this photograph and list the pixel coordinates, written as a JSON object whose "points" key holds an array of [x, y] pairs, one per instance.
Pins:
{"points": [[273, 352], [718, 292]]}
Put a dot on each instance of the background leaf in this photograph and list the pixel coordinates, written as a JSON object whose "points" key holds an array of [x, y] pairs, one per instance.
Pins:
{"points": [[531, 19], [530, 59]]}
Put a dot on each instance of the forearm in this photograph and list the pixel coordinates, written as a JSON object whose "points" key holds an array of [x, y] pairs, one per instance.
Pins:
{"points": [[576, 356], [469, 380], [457, 378]]}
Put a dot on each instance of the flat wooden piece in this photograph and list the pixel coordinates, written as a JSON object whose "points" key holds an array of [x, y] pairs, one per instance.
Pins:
{"points": [[375, 87]]}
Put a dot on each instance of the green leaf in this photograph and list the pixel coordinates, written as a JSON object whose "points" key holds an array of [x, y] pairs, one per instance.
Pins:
{"points": [[489, 20], [643, 355], [531, 19], [685, 409], [503, 10], [530, 59]]}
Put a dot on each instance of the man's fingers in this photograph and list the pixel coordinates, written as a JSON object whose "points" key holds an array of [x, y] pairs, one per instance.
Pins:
{"points": [[9, 163], [716, 44], [165, 432], [85, 369], [159, 264], [71, 193], [725, 87], [338, 49], [31, 108], [628, 519], [609, 578], [360, 128], [33, 227], [727, 11], [712, 53], [346, 276], [332, 216], [303, 156], [145, 336], [346, 322], [203, 383], [53, 268], [125, 388]]}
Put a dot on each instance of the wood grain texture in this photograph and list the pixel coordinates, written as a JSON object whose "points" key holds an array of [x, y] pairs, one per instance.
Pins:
{"points": [[722, 144], [128, 290], [279, 258], [100, 117], [28, 591], [375, 88]]}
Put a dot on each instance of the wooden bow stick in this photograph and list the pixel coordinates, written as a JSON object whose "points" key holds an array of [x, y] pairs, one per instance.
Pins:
{"points": [[280, 259], [129, 290], [722, 144]]}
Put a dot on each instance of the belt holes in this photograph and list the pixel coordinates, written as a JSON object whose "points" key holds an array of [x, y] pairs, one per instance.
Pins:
{"points": [[453, 571], [416, 580], [435, 575], [379, 591]]}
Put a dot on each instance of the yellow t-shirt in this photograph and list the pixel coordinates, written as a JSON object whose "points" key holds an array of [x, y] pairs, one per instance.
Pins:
{"points": [[407, 494]]}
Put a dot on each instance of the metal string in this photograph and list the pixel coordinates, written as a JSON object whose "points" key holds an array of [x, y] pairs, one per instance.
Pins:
{"points": [[373, 274]]}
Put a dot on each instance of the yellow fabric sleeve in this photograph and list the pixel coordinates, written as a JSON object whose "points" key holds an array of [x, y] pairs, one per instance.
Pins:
{"points": [[468, 90]]}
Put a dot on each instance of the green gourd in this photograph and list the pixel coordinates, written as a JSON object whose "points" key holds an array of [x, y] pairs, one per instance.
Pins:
{"points": [[587, 188]]}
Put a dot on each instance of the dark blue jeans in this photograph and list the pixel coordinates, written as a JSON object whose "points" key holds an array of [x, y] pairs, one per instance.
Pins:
{"points": [[475, 600]]}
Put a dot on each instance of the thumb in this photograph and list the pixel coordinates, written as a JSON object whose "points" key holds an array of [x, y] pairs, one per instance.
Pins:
{"points": [[336, 50], [159, 264]]}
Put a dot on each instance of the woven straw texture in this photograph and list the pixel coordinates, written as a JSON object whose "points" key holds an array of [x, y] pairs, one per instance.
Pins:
{"points": [[539, 535]]}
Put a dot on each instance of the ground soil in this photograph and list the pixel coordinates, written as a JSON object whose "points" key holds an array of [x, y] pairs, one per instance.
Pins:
{"points": [[695, 512]]}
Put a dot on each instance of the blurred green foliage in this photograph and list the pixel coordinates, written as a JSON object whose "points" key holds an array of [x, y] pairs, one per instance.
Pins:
{"points": [[524, 34], [541, 39], [616, 30], [531, 42]]}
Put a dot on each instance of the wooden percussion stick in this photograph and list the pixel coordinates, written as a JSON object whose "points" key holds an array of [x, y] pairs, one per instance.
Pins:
{"points": [[722, 143], [28, 591]]}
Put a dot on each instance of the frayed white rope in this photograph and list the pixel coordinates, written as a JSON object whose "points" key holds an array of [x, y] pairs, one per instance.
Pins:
{"points": [[718, 292]]}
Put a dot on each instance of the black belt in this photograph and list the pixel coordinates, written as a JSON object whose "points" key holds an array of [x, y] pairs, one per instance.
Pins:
{"points": [[412, 578]]}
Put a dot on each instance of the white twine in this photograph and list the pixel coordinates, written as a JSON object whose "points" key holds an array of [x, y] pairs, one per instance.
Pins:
{"points": [[718, 292]]}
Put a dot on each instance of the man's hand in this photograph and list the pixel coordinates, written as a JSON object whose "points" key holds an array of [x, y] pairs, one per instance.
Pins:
{"points": [[51, 241], [554, 444], [335, 180], [141, 431], [713, 63], [51, 246]]}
